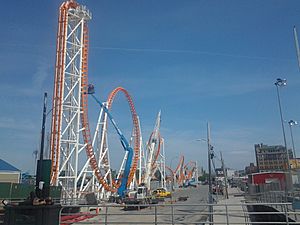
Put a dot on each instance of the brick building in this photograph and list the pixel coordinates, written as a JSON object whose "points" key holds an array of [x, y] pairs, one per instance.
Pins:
{"points": [[271, 158]]}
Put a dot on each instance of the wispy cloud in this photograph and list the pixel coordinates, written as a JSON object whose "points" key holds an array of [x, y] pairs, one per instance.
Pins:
{"points": [[188, 80], [40, 75], [181, 51], [16, 124]]}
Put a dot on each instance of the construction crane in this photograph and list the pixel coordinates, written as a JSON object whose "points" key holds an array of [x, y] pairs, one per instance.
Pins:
{"points": [[123, 140]]}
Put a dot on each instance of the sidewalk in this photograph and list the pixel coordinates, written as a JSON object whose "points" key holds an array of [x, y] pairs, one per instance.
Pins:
{"points": [[230, 211]]}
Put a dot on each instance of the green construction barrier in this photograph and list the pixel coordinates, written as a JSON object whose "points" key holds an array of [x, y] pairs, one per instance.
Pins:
{"points": [[22, 191]]}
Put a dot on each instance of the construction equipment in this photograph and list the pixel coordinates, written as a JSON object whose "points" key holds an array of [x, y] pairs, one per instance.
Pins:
{"points": [[96, 175], [139, 198], [162, 193]]}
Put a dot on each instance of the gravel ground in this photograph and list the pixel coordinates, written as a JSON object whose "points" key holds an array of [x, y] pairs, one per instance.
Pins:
{"points": [[185, 212]]}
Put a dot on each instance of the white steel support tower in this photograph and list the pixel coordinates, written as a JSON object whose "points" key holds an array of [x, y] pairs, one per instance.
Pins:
{"points": [[88, 180], [153, 151], [70, 82], [142, 159], [161, 164]]}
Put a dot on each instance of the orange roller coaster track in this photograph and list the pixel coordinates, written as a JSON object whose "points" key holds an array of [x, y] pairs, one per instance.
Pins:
{"points": [[179, 171], [58, 98], [89, 148], [58, 87], [136, 129]]}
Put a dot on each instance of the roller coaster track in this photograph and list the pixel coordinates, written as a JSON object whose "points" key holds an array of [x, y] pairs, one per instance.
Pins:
{"points": [[157, 151], [189, 168], [136, 129], [172, 173], [58, 99], [179, 171], [58, 87], [89, 148]]}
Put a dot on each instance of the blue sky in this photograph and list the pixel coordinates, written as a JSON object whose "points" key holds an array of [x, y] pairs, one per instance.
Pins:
{"points": [[195, 60]]}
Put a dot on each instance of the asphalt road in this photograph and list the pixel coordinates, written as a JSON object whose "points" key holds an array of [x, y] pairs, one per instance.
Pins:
{"points": [[172, 211]]}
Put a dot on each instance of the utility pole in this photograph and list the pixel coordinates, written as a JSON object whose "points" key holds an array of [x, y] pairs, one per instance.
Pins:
{"points": [[39, 172], [197, 172], [210, 200], [225, 175]]}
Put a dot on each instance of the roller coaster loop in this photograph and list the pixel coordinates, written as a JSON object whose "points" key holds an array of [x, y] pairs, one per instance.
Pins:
{"points": [[89, 148]]}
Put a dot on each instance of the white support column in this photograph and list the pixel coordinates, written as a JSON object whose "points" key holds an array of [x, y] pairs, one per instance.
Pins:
{"points": [[71, 141]]}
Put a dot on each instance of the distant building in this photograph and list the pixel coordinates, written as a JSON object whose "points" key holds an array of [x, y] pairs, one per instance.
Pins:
{"points": [[295, 163], [9, 173], [230, 173], [240, 173], [251, 169], [271, 158]]}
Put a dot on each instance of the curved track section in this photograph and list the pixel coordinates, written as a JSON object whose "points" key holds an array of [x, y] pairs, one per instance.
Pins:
{"points": [[156, 150], [179, 171], [89, 148], [172, 173], [189, 169], [136, 129]]}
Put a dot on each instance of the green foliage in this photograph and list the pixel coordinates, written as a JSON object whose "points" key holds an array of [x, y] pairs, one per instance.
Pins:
{"points": [[204, 177]]}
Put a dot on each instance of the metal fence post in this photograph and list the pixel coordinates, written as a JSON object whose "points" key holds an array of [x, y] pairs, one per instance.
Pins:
{"points": [[172, 209], [227, 217], [155, 218], [286, 214], [105, 220]]}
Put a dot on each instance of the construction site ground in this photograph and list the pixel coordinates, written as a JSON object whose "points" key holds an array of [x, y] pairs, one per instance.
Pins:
{"points": [[184, 210]]}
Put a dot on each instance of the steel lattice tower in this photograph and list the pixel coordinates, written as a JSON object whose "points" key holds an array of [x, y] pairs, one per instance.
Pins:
{"points": [[69, 97]]}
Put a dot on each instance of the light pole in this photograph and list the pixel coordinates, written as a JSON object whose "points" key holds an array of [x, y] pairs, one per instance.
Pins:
{"points": [[281, 83], [292, 123]]}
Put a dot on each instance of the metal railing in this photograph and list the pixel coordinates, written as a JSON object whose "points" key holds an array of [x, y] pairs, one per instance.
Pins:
{"points": [[275, 197], [245, 213]]}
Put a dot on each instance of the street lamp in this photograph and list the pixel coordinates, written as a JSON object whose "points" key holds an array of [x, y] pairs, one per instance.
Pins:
{"points": [[292, 123], [281, 83]]}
